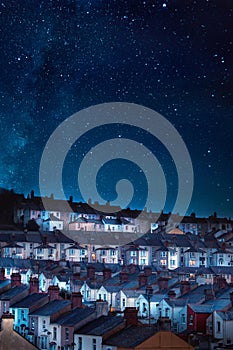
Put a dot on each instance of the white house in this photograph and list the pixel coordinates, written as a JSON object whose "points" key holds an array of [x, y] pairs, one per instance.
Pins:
{"points": [[220, 325], [62, 281], [90, 337], [51, 223], [142, 304], [126, 298], [108, 293]]}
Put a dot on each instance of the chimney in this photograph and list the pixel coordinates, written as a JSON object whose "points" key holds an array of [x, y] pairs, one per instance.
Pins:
{"points": [[45, 241], [15, 279], [132, 268], [221, 282], [209, 294], [107, 273], [164, 324], [101, 308], [76, 276], [171, 294], [147, 270], [7, 322], [62, 263], [131, 316], [2, 274], [142, 279], [53, 293], [124, 276], [162, 283], [76, 300], [184, 287], [91, 272], [34, 285], [224, 246], [76, 267]]}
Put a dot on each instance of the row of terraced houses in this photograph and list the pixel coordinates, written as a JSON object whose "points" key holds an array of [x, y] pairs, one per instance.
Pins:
{"points": [[56, 262]]}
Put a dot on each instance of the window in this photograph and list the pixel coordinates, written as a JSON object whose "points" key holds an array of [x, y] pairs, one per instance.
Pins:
{"points": [[167, 312], [94, 344], [32, 324], [4, 306], [105, 297], [22, 315], [44, 324], [54, 333], [163, 254], [103, 252], [218, 326], [123, 302], [133, 253], [71, 252], [172, 262], [80, 343], [183, 318], [43, 343], [31, 245], [191, 319], [67, 333], [220, 261]]}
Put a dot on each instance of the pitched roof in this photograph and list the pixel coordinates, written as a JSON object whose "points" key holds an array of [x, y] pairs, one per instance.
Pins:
{"points": [[131, 337], [101, 326], [11, 293], [29, 301], [75, 316], [227, 316], [51, 308]]}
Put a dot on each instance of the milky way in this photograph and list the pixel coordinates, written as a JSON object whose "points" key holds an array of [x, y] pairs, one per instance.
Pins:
{"points": [[58, 57]]}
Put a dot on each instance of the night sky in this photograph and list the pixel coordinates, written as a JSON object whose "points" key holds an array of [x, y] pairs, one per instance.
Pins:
{"points": [[175, 57]]}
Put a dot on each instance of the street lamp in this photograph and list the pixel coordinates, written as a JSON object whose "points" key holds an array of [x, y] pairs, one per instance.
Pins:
{"points": [[149, 292]]}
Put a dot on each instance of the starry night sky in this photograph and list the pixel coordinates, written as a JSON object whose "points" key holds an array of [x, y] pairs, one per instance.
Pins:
{"points": [[58, 57]]}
